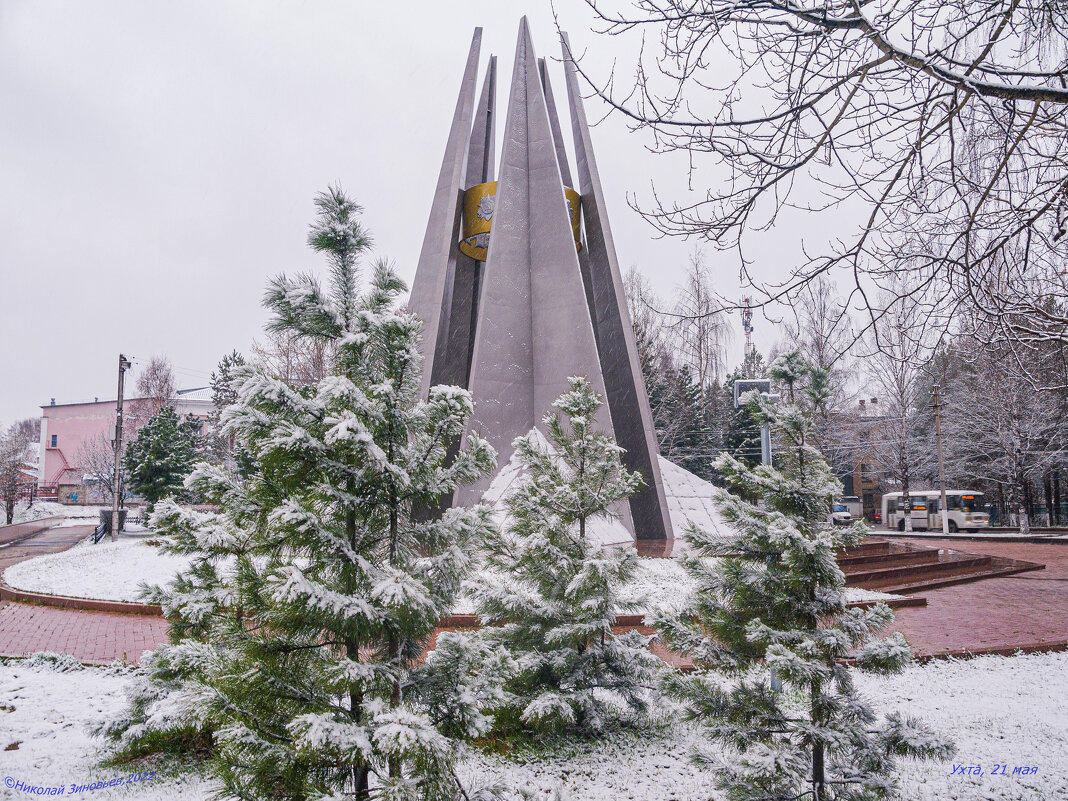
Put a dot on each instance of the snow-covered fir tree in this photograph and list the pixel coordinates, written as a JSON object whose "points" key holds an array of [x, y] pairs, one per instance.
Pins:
{"points": [[552, 592], [771, 602], [225, 382], [162, 455], [312, 593]]}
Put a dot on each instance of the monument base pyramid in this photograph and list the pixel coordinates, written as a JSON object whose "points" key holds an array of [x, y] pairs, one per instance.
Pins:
{"points": [[689, 500]]}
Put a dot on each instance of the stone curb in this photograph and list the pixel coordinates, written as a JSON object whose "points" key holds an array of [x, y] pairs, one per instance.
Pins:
{"points": [[86, 604], [998, 650], [458, 621], [1052, 539]]}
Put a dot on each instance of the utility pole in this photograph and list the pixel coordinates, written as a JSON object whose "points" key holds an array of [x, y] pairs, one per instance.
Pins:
{"points": [[941, 462], [116, 522]]}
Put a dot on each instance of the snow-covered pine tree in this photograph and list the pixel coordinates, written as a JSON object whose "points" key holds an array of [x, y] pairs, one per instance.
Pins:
{"points": [[162, 455], [225, 382], [771, 599], [551, 592], [313, 592]]}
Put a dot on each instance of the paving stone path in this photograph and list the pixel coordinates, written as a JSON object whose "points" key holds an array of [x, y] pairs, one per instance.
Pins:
{"points": [[1026, 609], [92, 637]]}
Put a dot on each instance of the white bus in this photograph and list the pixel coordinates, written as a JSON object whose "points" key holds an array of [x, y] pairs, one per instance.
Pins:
{"points": [[967, 510]]}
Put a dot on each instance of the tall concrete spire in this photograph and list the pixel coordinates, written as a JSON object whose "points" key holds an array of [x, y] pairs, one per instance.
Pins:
{"points": [[480, 166], [534, 328], [463, 289], [627, 397], [554, 121], [432, 288]]}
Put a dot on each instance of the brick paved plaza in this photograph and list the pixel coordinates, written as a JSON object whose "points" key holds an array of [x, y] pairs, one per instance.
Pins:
{"points": [[92, 637], [1024, 610]]}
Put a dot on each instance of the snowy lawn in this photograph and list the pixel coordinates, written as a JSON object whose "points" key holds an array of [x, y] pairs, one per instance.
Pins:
{"points": [[107, 571], [112, 572], [45, 717], [76, 515], [1000, 710]]}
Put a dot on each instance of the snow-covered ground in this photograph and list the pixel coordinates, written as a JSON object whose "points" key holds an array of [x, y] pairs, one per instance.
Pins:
{"points": [[46, 713], [1000, 711], [108, 571], [79, 514]]}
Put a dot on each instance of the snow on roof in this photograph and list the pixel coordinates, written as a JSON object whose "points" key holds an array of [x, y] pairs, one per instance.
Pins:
{"points": [[193, 394], [689, 499], [196, 393]]}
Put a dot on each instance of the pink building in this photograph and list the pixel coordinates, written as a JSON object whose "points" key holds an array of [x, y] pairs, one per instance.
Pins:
{"points": [[70, 430]]}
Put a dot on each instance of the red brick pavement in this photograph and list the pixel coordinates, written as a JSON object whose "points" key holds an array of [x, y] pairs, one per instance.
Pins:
{"points": [[1021, 610], [93, 637]]}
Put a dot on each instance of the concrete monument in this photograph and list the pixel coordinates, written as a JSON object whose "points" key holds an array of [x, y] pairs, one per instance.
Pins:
{"points": [[518, 284]]}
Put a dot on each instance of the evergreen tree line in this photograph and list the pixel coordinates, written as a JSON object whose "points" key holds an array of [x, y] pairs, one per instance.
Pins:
{"points": [[682, 354]]}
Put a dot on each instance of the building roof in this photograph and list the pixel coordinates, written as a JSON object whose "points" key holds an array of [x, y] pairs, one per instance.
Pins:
{"points": [[193, 394]]}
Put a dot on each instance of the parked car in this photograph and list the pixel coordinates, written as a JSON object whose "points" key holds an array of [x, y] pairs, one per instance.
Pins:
{"points": [[840, 516]]}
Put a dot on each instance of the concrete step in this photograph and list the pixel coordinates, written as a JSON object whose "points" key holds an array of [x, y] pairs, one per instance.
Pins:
{"points": [[851, 563], [906, 566], [949, 564], [994, 571], [868, 547]]}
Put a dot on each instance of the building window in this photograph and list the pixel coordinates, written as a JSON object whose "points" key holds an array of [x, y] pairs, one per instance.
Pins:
{"points": [[54, 438]]}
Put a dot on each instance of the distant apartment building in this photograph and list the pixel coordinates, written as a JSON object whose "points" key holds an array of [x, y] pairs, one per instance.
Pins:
{"points": [[71, 433], [865, 480]]}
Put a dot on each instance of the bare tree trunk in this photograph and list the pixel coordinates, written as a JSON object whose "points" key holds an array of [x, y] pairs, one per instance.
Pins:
{"points": [[1025, 506], [819, 779]]}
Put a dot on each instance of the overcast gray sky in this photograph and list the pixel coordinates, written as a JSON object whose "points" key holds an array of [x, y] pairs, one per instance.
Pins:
{"points": [[160, 160]]}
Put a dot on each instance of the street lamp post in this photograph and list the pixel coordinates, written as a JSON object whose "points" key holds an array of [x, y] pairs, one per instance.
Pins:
{"points": [[941, 461], [116, 493], [763, 386]]}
